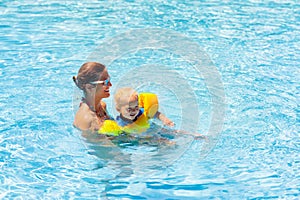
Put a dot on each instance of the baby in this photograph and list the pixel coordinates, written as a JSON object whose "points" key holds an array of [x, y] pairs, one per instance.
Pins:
{"points": [[136, 109]]}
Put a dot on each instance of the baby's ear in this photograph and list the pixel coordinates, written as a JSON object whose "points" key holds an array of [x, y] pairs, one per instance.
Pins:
{"points": [[118, 108]]}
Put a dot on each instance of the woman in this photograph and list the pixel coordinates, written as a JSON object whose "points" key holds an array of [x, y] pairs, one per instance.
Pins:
{"points": [[93, 79]]}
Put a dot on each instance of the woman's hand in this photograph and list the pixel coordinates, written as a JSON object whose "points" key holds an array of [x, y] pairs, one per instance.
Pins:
{"points": [[197, 136]]}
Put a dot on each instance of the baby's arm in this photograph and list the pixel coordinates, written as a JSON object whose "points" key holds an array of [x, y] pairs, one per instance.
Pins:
{"points": [[164, 119]]}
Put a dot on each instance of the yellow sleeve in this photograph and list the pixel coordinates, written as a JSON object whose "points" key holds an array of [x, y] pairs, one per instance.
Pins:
{"points": [[149, 102]]}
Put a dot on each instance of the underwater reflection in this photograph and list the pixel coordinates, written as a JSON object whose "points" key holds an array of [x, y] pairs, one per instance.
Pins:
{"points": [[136, 155]]}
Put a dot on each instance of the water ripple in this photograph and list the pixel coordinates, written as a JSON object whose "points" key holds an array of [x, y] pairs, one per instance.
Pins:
{"points": [[255, 46]]}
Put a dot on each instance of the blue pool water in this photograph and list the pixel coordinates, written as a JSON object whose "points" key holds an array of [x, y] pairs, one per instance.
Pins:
{"points": [[252, 45]]}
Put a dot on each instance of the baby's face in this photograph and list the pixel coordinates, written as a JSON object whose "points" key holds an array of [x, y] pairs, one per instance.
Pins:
{"points": [[130, 108]]}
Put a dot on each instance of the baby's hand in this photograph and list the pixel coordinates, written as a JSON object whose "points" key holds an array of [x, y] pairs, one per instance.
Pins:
{"points": [[168, 122]]}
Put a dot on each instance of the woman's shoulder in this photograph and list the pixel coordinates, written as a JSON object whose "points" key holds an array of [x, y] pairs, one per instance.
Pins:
{"points": [[84, 117]]}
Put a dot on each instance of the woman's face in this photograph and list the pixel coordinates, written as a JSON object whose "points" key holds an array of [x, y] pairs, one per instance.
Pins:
{"points": [[102, 89]]}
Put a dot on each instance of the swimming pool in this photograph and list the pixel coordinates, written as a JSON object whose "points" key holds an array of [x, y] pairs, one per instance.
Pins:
{"points": [[254, 46]]}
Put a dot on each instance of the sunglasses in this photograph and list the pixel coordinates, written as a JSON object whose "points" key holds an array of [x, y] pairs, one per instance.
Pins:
{"points": [[105, 82]]}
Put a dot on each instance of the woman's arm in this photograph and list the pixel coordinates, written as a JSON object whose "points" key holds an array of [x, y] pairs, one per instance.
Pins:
{"points": [[82, 121]]}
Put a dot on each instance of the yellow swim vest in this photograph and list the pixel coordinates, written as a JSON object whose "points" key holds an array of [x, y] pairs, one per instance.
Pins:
{"points": [[149, 102]]}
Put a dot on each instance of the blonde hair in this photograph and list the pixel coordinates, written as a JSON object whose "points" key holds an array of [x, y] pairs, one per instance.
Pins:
{"points": [[87, 73], [124, 94]]}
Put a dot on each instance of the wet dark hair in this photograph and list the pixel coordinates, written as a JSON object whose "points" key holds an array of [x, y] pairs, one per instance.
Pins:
{"points": [[88, 72]]}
